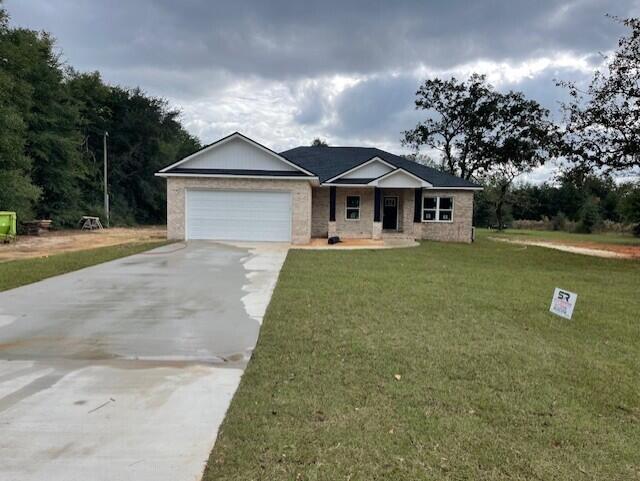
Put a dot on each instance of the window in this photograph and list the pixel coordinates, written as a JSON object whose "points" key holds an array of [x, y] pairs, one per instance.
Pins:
{"points": [[352, 211], [437, 209]]}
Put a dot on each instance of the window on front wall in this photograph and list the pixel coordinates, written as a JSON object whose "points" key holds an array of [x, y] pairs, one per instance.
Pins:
{"points": [[437, 209], [352, 211]]}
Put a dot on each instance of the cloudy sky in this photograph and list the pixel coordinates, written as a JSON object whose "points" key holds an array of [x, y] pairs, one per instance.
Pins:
{"points": [[284, 72]]}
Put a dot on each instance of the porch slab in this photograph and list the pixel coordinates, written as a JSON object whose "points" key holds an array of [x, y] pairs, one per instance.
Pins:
{"points": [[356, 244]]}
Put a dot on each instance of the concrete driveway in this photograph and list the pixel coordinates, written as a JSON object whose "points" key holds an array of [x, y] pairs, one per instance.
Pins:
{"points": [[124, 371]]}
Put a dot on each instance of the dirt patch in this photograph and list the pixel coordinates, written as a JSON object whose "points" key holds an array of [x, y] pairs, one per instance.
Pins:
{"points": [[595, 249], [629, 251], [75, 240]]}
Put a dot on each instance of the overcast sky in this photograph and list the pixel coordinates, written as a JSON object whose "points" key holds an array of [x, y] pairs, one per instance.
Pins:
{"points": [[284, 72]]}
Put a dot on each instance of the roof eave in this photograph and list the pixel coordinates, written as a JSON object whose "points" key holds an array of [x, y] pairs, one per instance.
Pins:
{"points": [[313, 180]]}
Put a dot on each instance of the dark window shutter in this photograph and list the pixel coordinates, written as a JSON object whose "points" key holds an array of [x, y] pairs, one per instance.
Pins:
{"points": [[417, 206], [332, 204], [376, 204]]}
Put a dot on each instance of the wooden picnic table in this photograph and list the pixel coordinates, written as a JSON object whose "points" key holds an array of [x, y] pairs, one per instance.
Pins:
{"points": [[88, 222]]}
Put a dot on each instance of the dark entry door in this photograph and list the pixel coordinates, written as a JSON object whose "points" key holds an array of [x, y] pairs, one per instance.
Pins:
{"points": [[390, 213]]}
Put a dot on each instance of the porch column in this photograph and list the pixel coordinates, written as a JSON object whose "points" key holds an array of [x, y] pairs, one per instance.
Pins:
{"points": [[332, 211], [417, 206], [376, 230]]}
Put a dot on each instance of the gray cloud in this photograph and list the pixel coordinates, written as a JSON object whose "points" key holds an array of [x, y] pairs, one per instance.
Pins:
{"points": [[292, 39], [266, 67], [379, 108]]}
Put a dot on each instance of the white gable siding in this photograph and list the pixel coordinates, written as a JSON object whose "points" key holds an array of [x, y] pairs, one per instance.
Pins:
{"points": [[236, 154], [369, 171], [399, 180]]}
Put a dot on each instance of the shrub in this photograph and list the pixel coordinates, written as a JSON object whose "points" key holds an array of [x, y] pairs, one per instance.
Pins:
{"points": [[590, 218], [543, 224], [618, 227], [559, 221]]}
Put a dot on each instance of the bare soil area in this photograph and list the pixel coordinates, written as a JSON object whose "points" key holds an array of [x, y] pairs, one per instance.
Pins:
{"points": [[57, 242], [595, 249]]}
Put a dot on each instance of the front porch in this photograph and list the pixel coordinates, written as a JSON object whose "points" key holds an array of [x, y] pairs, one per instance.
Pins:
{"points": [[353, 212], [387, 242]]}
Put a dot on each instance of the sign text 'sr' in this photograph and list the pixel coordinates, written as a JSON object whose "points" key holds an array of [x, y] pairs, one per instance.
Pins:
{"points": [[563, 303]]}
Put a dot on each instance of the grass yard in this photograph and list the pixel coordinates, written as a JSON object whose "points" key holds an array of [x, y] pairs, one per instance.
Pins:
{"points": [[489, 384], [604, 238], [25, 271]]}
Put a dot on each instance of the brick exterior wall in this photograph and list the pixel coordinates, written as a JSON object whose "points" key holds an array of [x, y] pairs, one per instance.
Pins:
{"points": [[354, 229], [310, 216], [319, 211], [300, 190], [457, 231]]}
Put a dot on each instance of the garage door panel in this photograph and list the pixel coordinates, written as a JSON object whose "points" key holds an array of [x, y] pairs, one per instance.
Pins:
{"points": [[236, 215]]}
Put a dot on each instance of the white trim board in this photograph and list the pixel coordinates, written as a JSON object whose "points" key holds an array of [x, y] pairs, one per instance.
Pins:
{"points": [[455, 188], [313, 180]]}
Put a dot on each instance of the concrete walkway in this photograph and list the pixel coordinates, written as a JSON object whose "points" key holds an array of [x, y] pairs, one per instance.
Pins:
{"points": [[124, 371], [358, 244]]}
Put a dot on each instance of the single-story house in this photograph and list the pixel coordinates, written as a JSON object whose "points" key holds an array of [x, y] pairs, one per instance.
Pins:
{"points": [[237, 189]]}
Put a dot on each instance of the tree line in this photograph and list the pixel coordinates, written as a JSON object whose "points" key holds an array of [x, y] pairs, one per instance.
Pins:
{"points": [[573, 202], [495, 137], [52, 123]]}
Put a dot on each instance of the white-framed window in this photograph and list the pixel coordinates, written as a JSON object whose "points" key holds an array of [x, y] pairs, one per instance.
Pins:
{"points": [[352, 207], [437, 209]]}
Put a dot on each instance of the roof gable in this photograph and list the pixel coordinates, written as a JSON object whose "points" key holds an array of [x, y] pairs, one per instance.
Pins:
{"points": [[235, 152], [400, 178], [331, 162], [371, 169]]}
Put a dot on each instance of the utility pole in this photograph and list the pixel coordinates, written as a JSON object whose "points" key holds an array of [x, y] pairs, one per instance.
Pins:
{"points": [[106, 193]]}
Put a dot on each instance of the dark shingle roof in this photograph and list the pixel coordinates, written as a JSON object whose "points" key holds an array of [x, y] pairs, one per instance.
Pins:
{"points": [[328, 162]]}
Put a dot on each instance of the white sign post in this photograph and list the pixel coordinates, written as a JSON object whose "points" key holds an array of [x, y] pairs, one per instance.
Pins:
{"points": [[563, 303]]}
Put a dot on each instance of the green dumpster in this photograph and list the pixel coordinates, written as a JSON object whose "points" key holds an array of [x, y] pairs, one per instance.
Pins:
{"points": [[7, 226]]}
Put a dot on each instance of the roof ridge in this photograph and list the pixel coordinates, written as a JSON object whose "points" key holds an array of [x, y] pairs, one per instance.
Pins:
{"points": [[332, 147]]}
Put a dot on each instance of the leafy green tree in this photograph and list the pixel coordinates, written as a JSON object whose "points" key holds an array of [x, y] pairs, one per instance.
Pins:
{"points": [[482, 210], [146, 136], [483, 134], [95, 119], [458, 114], [522, 138], [630, 206], [50, 118], [318, 142], [17, 191], [603, 122], [52, 121], [590, 218]]}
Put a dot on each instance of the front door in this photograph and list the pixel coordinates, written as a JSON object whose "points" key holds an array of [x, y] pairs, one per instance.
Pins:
{"points": [[390, 213]]}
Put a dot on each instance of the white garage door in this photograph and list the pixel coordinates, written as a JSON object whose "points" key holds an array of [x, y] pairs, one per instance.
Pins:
{"points": [[238, 215]]}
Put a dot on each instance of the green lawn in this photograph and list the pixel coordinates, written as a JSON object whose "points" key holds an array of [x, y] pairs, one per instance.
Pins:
{"points": [[492, 385], [20, 272], [605, 238]]}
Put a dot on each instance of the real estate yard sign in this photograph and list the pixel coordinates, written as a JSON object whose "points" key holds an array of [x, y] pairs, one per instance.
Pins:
{"points": [[563, 303]]}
